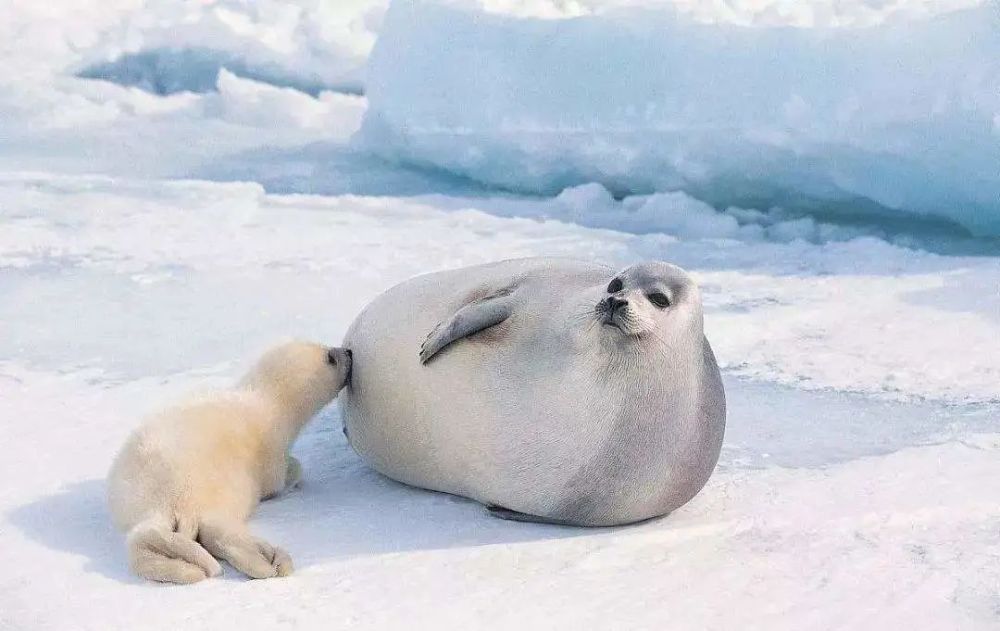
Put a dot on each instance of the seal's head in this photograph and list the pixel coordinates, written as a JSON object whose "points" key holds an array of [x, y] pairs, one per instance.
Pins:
{"points": [[650, 300]]}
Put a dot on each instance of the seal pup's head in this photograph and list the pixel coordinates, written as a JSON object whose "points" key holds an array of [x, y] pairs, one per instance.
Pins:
{"points": [[650, 300], [301, 377]]}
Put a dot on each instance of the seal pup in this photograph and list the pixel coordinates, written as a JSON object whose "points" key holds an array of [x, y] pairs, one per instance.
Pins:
{"points": [[547, 389], [188, 478]]}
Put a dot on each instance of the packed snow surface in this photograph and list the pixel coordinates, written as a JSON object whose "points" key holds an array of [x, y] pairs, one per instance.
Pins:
{"points": [[121, 295], [154, 239], [896, 118]]}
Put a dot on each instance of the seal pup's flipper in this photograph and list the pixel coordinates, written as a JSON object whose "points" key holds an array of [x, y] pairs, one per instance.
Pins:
{"points": [[512, 515], [470, 319]]}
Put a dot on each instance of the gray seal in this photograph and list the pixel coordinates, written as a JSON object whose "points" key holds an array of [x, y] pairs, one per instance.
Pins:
{"points": [[547, 389]]}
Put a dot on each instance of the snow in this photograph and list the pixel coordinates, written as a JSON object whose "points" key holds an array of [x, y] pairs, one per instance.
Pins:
{"points": [[756, 116], [769, 319], [802, 13], [87, 127], [168, 46], [215, 195], [874, 543], [120, 295]]}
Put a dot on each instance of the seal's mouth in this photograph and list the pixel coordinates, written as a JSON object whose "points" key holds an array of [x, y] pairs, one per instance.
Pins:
{"points": [[609, 320], [617, 313], [609, 317]]}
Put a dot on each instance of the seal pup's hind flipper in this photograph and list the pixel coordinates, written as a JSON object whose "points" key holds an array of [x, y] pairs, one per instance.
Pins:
{"points": [[470, 319]]}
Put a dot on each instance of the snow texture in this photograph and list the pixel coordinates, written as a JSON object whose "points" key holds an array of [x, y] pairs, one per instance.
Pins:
{"points": [[893, 119], [166, 46], [828, 510], [155, 236]]}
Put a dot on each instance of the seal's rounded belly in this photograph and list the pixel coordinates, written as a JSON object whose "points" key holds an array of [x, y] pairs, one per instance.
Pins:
{"points": [[529, 386]]}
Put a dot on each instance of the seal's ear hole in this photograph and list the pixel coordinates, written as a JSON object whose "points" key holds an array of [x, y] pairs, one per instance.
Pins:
{"points": [[658, 299], [615, 286]]}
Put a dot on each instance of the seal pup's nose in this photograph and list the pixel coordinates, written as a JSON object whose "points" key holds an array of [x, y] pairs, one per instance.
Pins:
{"points": [[337, 355]]}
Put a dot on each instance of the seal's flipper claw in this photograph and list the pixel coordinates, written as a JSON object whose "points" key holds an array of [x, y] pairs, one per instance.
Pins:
{"points": [[468, 320], [426, 345]]}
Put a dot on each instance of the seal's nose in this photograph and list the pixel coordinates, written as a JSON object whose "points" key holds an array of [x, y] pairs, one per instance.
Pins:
{"points": [[615, 303]]}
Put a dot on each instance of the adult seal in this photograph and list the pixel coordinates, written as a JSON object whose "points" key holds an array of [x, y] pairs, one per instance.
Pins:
{"points": [[547, 389]]}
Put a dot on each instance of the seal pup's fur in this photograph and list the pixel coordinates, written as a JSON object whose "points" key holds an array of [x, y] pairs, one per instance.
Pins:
{"points": [[188, 478]]}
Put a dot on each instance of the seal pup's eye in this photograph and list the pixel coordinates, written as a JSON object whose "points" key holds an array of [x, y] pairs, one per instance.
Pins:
{"points": [[615, 286], [658, 299]]}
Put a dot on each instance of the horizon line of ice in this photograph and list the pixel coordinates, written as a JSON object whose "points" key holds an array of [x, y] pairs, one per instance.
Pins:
{"points": [[897, 119]]}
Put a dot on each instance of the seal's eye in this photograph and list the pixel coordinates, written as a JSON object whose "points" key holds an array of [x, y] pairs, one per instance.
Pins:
{"points": [[658, 299], [615, 286]]}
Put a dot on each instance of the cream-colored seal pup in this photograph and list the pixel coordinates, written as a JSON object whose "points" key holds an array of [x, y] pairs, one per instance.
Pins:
{"points": [[186, 481], [547, 389]]}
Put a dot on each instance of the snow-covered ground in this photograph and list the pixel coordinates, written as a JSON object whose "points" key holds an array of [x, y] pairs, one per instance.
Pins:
{"points": [[155, 236]]}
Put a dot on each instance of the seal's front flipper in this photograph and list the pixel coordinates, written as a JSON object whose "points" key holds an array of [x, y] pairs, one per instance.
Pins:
{"points": [[470, 319], [512, 515]]}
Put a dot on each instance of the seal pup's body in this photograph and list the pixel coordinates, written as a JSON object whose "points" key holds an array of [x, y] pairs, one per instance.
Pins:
{"points": [[511, 383], [187, 480]]}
